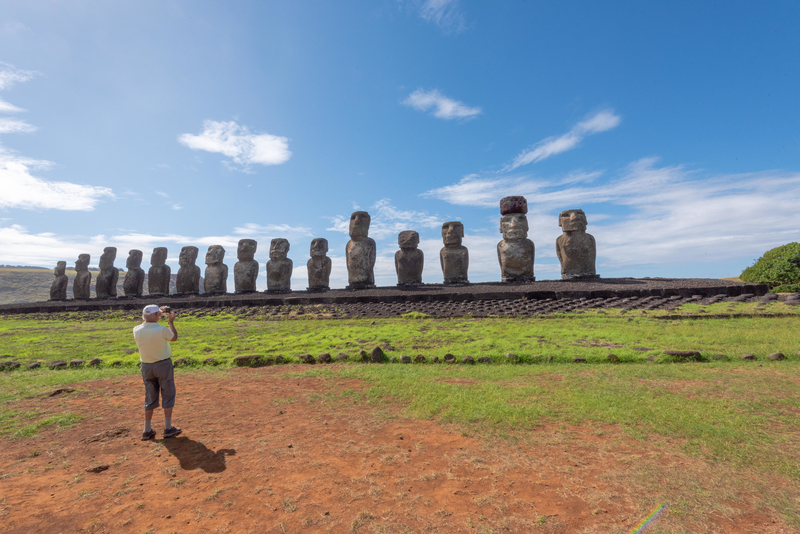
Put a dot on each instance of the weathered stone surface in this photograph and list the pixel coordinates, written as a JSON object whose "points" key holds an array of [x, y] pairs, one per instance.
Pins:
{"points": [[245, 271], [181, 361], [188, 279], [405, 359], [319, 266], [511, 357], [159, 273], [449, 358], [116, 363], [10, 365], [613, 358], [485, 359], [342, 357], [513, 204], [280, 359], [468, 360], [684, 354], [106, 284], [454, 257], [576, 250], [579, 359], [279, 267], [409, 260], [393, 359], [34, 365], [58, 289], [81, 285], [210, 361], [94, 362], [419, 358], [133, 285], [436, 359], [377, 355], [247, 361], [307, 358], [364, 355], [776, 356], [748, 356], [360, 253], [215, 280], [515, 252], [324, 358], [76, 363], [97, 468]]}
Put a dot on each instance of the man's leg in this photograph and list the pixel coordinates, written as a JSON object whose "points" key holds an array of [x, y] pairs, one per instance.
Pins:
{"points": [[148, 420], [167, 418], [150, 400], [167, 383]]}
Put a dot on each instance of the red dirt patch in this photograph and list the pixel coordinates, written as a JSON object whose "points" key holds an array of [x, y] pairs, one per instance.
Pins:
{"points": [[266, 452]]}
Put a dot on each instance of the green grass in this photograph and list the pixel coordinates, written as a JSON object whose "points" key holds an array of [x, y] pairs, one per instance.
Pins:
{"points": [[18, 424]]}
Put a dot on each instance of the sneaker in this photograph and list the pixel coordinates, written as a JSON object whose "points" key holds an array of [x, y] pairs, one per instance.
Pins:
{"points": [[148, 435], [171, 432]]}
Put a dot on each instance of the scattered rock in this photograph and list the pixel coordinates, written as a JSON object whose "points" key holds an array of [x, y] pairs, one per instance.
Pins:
{"points": [[58, 364], [692, 355], [468, 360], [59, 391], [280, 359], [34, 365], [776, 356], [511, 357], [364, 356], [436, 359], [748, 356], [106, 435], [377, 356], [11, 365], [97, 468], [247, 361], [209, 361], [485, 359], [419, 358], [324, 358], [613, 358], [641, 349], [307, 358], [180, 361], [342, 357], [651, 358], [76, 363], [405, 359], [95, 362], [579, 359], [393, 359], [449, 358]]}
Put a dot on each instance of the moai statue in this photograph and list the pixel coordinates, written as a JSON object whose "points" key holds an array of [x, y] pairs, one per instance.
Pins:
{"points": [[279, 267], [134, 278], [106, 284], [575, 248], [82, 284], [159, 274], [216, 278], [515, 252], [188, 280], [409, 260], [319, 266], [454, 257], [58, 289], [245, 271], [360, 253]]}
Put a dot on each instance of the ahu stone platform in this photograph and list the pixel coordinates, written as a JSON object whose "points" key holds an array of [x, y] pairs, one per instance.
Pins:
{"points": [[546, 290]]}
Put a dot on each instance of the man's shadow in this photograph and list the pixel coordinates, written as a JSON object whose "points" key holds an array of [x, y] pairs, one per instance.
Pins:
{"points": [[195, 455]]}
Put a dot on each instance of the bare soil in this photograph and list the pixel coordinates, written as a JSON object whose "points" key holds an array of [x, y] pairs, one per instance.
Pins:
{"points": [[265, 451]]}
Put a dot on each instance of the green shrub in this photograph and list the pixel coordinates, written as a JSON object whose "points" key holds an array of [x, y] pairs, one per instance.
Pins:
{"points": [[786, 288], [778, 266]]}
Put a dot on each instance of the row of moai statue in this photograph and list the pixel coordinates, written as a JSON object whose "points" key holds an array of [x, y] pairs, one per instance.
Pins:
{"points": [[576, 250]]}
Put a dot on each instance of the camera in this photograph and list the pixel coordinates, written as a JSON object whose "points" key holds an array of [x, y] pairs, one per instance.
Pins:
{"points": [[165, 310]]}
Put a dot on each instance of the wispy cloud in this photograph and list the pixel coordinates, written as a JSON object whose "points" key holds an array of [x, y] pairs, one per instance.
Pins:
{"points": [[9, 75], [6, 107], [15, 126], [441, 107], [444, 13], [386, 220], [600, 122], [237, 143]]}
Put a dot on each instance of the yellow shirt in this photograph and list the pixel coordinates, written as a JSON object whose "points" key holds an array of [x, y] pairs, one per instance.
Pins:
{"points": [[151, 338]]}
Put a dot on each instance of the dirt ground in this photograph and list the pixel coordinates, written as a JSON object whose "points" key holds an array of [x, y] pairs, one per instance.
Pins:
{"points": [[263, 451]]}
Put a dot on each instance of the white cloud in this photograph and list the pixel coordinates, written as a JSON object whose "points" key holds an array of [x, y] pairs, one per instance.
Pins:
{"points": [[386, 220], [442, 106], [444, 13], [600, 122], [253, 230], [6, 107], [237, 143], [23, 190], [9, 75], [15, 126]]}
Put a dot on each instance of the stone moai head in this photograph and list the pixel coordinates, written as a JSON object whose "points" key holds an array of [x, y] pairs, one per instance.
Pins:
{"points": [[188, 256], [359, 224], [82, 263], [60, 269], [408, 240], [247, 249], [319, 247], [215, 254], [159, 257], [452, 233], [572, 220], [107, 258], [134, 259], [278, 248]]}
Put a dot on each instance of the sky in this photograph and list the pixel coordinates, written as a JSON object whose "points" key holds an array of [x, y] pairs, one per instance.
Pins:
{"points": [[674, 125]]}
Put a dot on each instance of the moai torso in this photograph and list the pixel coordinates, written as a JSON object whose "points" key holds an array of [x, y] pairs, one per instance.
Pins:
{"points": [[409, 260], [515, 252], [188, 278], [454, 257], [576, 250], [82, 284], [216, 277], [134, 277], [319, 266], [245, 271], [58, 289], [360, 253], [159, 274], [279, 267], [106, 283]]}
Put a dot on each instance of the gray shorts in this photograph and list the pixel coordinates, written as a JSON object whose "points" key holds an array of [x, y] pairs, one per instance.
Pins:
{"points": [[158, 376]]}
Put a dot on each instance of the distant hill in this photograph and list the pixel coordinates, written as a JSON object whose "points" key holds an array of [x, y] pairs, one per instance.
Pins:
{"points": [[32, 284]]}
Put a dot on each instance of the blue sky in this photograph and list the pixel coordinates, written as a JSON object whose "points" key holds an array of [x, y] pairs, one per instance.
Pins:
{"points": [[675, 126]]}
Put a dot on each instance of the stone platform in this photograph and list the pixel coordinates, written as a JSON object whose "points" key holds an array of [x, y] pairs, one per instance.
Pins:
{"points": [[423, 297]]}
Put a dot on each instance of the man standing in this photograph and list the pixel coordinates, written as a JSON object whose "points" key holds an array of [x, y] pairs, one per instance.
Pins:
{"points": [[155, 354]]}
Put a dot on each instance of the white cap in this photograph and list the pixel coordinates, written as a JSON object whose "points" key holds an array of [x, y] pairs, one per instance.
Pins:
{"points": [[150, 309]]}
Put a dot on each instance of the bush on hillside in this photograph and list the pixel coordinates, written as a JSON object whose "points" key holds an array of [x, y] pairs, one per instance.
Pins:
{"points": [[786, 288], [778, 266]]}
